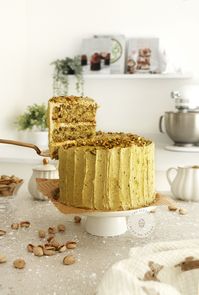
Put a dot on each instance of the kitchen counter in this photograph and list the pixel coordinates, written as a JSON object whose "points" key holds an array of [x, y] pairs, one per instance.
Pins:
{"points": [[94, 255]]}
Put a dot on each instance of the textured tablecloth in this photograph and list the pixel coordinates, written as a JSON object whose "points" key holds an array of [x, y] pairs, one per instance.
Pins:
{"points": [[47, 275]]}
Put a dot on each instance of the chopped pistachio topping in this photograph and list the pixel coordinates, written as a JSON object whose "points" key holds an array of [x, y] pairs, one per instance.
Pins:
{"points": [[110, 140], [72, 99]]}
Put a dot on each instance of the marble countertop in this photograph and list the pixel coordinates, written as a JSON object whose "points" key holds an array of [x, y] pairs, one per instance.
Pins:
{"points": [[94, 255]]}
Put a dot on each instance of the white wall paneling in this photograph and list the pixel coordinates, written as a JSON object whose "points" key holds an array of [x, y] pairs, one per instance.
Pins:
{"points": [[36, 32]]}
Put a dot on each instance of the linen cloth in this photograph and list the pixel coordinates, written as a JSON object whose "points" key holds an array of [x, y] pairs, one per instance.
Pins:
{"points": [[164, 268]]}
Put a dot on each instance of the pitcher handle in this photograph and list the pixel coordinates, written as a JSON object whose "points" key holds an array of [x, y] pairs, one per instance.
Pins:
{"points": [[160, 124], [169, 174]]}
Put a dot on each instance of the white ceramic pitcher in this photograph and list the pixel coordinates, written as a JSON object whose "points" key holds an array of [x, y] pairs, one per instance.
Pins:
{"points": [[185, 184]]}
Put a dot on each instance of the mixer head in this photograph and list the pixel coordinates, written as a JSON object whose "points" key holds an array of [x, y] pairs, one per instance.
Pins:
{"points": [[187, 99]]}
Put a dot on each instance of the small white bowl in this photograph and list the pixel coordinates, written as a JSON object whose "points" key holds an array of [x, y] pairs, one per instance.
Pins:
{"points": [[9, 187]]}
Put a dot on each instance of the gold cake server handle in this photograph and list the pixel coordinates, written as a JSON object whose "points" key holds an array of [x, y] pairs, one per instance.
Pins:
{"points": [[28, 145]]}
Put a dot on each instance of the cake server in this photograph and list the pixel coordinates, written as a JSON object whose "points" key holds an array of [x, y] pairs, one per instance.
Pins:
{"points": [[44, 153]]}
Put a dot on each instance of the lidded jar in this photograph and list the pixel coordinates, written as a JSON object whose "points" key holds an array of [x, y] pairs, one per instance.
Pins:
{"points": [[47, 171]]}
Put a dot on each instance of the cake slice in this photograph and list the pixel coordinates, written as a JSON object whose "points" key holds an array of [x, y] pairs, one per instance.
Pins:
{"points": [[69, 118]]}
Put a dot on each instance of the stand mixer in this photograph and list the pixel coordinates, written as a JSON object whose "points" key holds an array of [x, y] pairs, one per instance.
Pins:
{"points": [[183, 126], [185, 104]]}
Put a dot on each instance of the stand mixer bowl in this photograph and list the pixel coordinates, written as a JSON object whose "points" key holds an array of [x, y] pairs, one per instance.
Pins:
{"points": [[181, 127]]}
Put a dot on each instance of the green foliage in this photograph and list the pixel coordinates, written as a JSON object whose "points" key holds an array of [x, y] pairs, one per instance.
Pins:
{"points": [[63, 68], [34, 117]]}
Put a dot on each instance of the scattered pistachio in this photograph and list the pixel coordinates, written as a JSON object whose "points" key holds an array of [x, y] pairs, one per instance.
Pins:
{"points": [[189, 263], [152, 210], [61, 228], [30, 248], [77, 219], [3, 259], [25, 224], [38, 251], [182, 211], [49, 239], [42, 233], [19, 263], [48, 252], [152, 274], [172, 208], [52, 230], [62, 248], [49, 247], [2, 232], [71, 245], [55, 243], [15, 226], [69, 259]]}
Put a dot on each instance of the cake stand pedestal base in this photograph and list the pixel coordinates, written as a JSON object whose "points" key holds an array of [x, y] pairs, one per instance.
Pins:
{"points": [[107, 223], [113, 223], [106, 226]]}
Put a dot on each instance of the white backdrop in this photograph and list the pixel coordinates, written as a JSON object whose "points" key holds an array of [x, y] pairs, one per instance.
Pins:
{"points": [[36, 32]]}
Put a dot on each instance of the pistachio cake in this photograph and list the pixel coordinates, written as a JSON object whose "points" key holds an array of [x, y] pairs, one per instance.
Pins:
{"points": [[111, 171], [70, 117]]}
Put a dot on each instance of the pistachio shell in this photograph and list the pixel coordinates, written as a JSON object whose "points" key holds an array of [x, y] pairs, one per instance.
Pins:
{"points": [[19, 263], [68, 260]]}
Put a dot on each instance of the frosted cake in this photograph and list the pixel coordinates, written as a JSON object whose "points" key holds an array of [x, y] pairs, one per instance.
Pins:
{"points": [[111, 171]]}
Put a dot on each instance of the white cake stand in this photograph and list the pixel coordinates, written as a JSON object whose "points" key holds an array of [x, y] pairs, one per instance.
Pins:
{"points": [[111, 223]]}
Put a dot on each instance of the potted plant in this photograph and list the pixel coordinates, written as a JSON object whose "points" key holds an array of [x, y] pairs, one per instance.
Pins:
{"points": [[34, 122], [63, 68]]}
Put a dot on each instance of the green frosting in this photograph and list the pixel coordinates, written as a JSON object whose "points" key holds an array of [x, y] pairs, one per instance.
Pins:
{"points": [[107, 179]]}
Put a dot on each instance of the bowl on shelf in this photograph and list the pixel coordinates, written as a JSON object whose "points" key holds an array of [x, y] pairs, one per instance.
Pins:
{"points": [[9, 185]]}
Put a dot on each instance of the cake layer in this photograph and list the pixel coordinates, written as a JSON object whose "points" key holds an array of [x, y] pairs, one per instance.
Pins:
{"points": [[114, 174], [72, 131], [70, 117], [73, 113], [70, 109]]}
